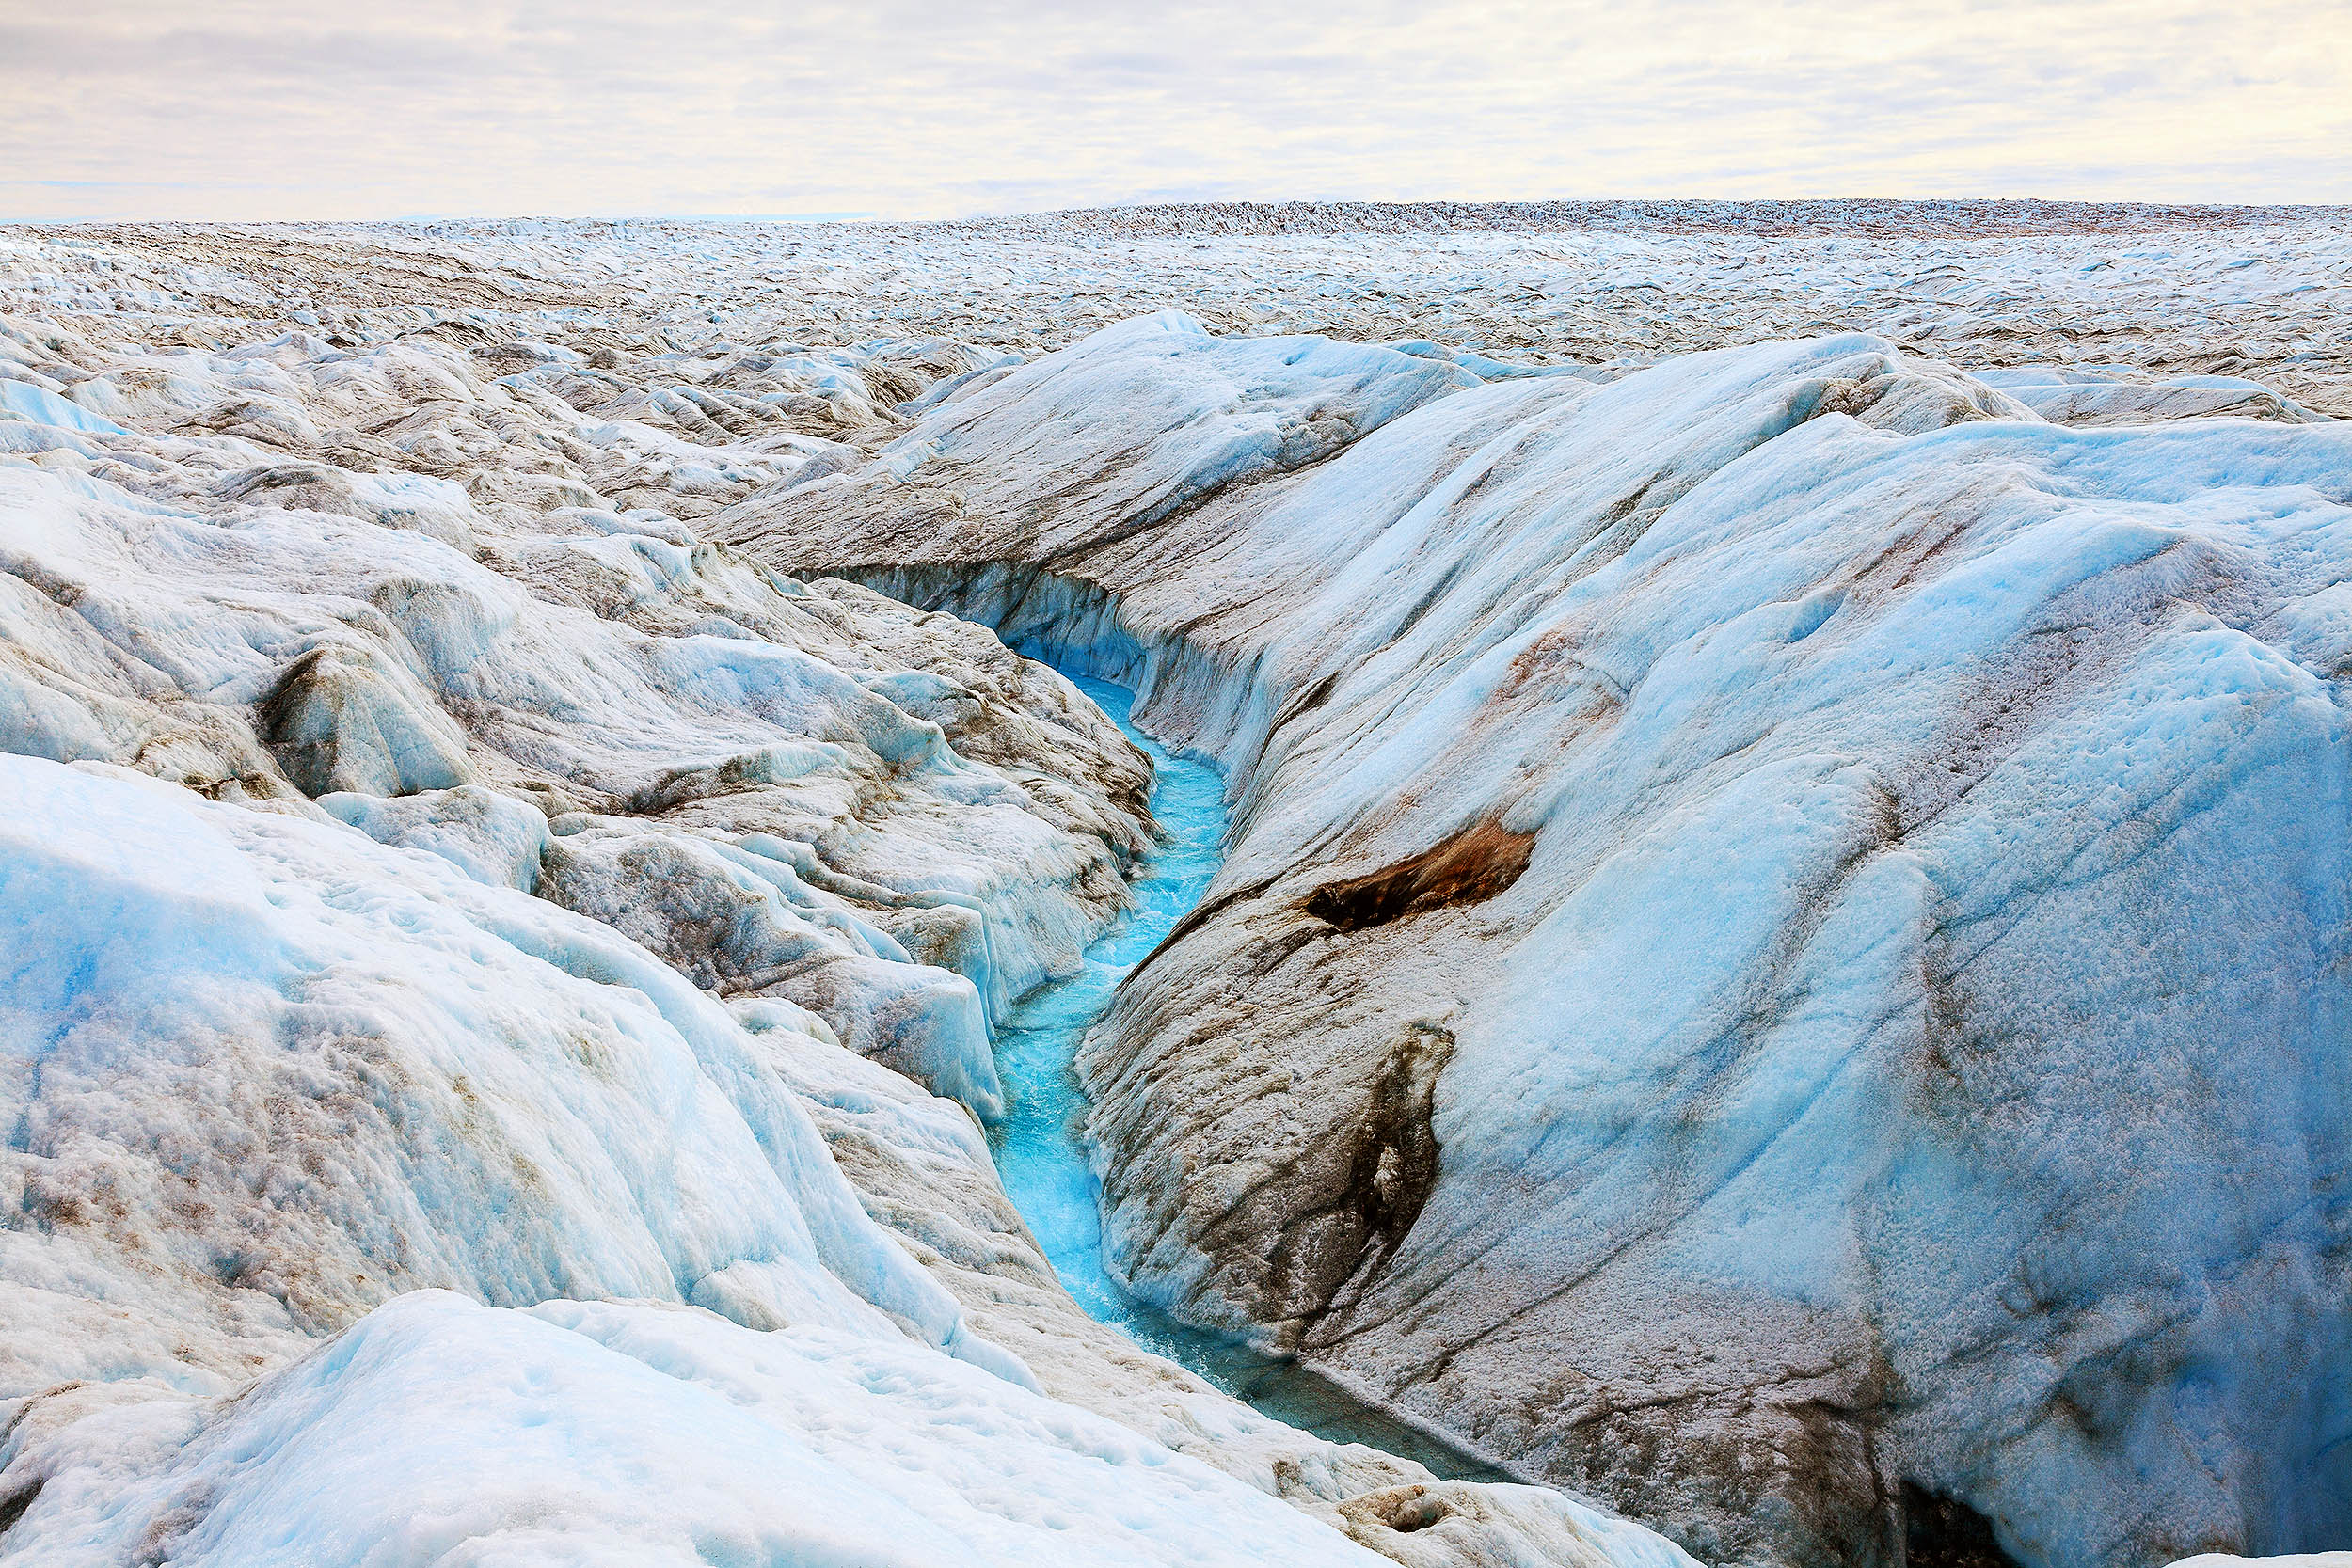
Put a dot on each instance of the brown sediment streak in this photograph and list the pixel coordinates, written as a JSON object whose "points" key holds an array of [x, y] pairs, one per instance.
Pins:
{"points": [[1468, 868]]}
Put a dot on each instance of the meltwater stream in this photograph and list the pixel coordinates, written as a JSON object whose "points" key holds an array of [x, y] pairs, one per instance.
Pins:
{"points": [[1041, 1157]]}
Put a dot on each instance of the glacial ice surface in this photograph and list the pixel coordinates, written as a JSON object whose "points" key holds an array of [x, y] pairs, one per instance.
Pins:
{"points": [[1965, 1147], [1784, 943], [627, 1432], [471, 943], [267, 1073]]}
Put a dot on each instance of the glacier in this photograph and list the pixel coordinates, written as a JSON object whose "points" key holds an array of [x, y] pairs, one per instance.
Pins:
{"points": [[1777, 972], [1782, 951], [500, 998]]}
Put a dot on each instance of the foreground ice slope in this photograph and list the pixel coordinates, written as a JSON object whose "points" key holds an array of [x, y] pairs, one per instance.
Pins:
{"points": [[625, 1434], [276, 1071], [1784, 956], [418, 871]]}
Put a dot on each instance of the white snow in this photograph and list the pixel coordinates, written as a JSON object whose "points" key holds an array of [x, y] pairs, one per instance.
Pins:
{"points": [[439, 1430]]}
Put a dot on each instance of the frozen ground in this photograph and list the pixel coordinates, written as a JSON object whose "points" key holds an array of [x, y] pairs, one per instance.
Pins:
{"points": [[1819, 872]]}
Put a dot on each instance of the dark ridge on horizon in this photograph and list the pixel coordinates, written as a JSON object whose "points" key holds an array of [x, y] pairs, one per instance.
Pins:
{"points": [[1970, 216], [1977, 216]]}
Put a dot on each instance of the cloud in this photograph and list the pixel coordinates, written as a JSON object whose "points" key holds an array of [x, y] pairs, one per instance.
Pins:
{"points": [[274, 108]]}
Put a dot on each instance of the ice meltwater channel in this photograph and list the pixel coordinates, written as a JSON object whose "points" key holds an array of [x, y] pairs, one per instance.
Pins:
{"points": [[1039, 1144]]}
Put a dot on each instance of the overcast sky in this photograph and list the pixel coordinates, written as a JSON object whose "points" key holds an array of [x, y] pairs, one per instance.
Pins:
{"points": [[277, 109]]}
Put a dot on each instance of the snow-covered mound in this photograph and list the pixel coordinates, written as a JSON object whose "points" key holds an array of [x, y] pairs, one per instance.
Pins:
{"points": [[268, 1073], [2086, 397], [596, 1433], [1784, 956]]}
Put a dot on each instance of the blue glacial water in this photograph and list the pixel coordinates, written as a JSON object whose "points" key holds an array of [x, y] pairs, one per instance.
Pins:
{"points": [[1041, 1156]]}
